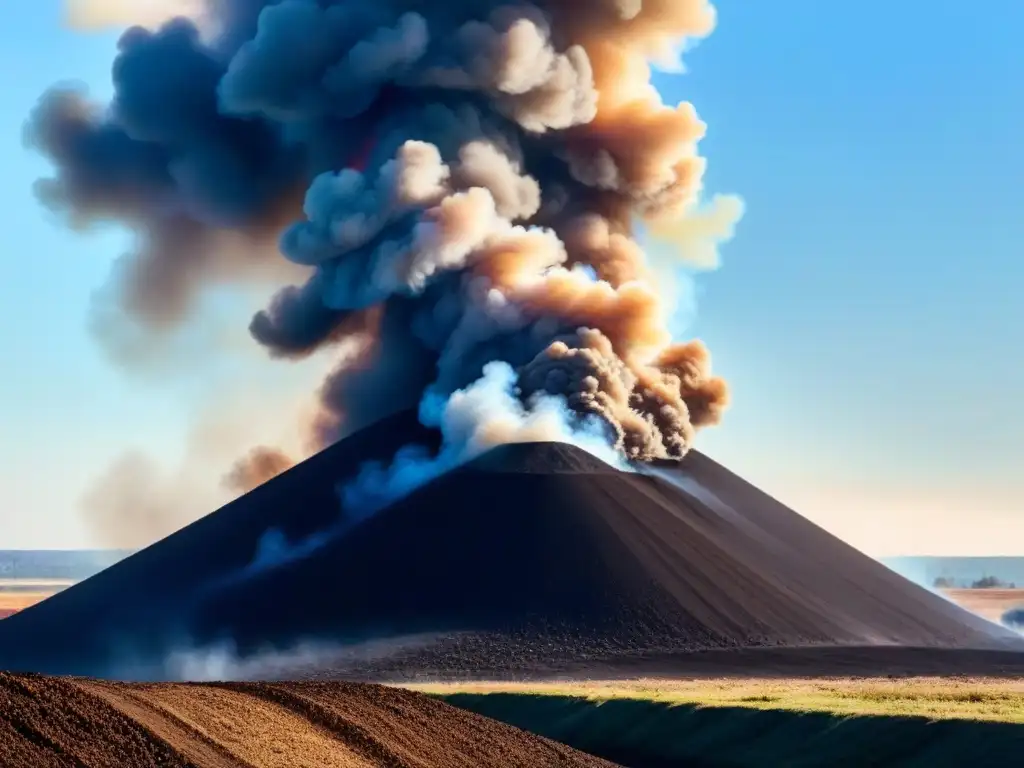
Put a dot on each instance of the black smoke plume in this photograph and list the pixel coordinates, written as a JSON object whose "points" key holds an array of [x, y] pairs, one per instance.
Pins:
{"points": [[443, 187]]}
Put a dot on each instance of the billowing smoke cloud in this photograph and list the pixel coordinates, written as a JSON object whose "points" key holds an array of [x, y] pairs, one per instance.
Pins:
{"points": [[204, 194], [454, 188]]}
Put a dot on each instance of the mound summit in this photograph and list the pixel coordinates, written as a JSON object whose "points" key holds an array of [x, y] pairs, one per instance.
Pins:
{"points": [[531, 556]]}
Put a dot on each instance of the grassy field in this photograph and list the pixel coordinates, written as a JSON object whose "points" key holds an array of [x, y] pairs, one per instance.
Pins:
{"points": [[913, 723], [932, 698], [812, 723]]}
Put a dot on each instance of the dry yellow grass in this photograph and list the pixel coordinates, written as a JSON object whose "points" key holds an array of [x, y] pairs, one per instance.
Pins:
{"points": [[999, 700], [19, 594], [17, 601]]}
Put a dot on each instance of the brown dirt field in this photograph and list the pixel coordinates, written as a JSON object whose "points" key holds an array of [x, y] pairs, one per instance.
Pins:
{"points": [[47, 721], [12, 602], [989, 603], [18, 601]]}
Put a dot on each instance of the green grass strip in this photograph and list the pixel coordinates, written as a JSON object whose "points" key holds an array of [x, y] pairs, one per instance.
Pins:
{"points": [[650, 734]]}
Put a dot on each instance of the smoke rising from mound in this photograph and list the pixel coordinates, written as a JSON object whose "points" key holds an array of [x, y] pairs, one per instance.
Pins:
{"points": [[452, 185], [471, 421], [1014, 619]]}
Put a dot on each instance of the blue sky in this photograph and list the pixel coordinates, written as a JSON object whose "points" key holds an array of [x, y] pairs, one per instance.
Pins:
{"points": [[867, 313]]}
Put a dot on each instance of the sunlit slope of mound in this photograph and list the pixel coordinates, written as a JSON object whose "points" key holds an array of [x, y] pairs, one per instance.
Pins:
{"points": [[829, 577], [57, 722], [531, 555]]}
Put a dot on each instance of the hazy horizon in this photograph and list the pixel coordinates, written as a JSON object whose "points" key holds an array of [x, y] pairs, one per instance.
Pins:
{"points": [[961, 571]]}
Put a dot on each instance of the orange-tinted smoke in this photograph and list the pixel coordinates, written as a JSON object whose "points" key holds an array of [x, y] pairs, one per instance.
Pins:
{"points": [[261, 464]]}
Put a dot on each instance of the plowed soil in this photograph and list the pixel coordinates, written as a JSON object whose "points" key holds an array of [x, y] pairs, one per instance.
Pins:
{"points": [[47, 721]]}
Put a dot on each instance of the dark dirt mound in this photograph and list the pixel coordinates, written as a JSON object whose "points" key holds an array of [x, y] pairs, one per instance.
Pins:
{"points": [[530, 558], [48, 722], [147, 597]]}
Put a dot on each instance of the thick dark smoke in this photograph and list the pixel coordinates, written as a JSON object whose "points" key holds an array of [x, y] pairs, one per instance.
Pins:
{"points": [[451, 184], [205, 193]]}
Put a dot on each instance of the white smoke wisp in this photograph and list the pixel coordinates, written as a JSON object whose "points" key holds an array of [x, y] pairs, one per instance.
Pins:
{"points": [[484, 415], [274, 550], [473, 420], [1013, 619], [223, 661]]}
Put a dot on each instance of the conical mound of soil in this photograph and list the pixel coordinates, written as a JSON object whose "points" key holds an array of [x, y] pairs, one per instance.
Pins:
{"points": [[532, 555]]}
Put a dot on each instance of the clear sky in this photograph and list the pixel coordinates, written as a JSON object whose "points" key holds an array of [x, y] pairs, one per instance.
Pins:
{"points": [[868, 314]]}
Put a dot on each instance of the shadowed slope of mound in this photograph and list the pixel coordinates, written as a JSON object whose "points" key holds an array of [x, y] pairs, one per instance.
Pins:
{"points": [[548, 555], [531, 555], [582, 563], [60, 722], [145, 598]]}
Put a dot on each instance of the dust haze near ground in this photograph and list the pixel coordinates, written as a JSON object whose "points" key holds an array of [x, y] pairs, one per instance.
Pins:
{"points": [[139, 500]]}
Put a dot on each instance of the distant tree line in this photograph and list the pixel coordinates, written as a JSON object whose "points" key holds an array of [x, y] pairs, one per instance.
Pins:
{"points": [[985, 582]]}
